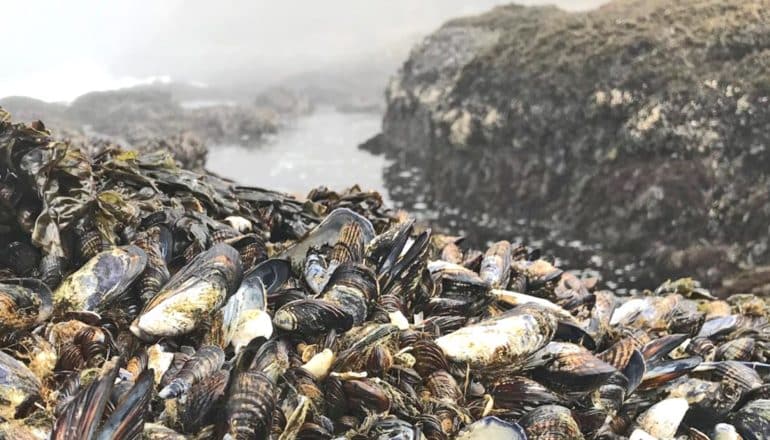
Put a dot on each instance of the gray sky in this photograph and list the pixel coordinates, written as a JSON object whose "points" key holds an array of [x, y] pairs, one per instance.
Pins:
{"points": [[56, 50]]}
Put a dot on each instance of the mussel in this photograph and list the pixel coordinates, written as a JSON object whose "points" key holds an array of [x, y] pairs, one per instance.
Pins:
{"points": [[24, 302], [19, 388], [101, 282], [192, 295], [501, 342]]}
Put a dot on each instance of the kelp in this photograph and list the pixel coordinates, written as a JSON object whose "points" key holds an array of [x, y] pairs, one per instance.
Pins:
{"points": [[61, 178], [56, 185]]}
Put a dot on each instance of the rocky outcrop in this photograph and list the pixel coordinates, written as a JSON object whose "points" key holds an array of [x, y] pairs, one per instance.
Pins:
{"points": [[139, 114], [643, 126]]}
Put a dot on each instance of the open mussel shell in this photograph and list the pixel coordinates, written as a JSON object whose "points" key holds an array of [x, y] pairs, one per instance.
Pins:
{"points": [[24, 302], [550, 422], [272, 273], [492, 428], [327, 234], [19, 388], [245, 315], [100, 282], [191, 295]]}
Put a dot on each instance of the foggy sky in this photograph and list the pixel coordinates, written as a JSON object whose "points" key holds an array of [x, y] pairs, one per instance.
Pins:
{"points": [[57, 50]]}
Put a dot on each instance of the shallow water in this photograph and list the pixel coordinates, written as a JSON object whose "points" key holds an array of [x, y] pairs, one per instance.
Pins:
{"points": [[322, 149], [318, 149]]}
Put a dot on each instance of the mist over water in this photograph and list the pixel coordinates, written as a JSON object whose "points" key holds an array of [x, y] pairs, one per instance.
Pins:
{"points": [[317, 149], [64, 49]]}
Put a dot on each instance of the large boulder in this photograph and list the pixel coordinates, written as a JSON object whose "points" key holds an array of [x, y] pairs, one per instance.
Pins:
{"points": [[643, 126]]}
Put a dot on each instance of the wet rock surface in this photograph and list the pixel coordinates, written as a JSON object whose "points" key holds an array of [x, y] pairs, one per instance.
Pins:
{"points": [[641, 126]]}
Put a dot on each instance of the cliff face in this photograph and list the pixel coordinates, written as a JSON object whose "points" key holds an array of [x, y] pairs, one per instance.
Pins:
{"points": [[643, 125]]}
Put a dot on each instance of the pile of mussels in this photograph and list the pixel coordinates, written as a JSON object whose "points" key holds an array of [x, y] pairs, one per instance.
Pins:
{"points": [[142, 300]]}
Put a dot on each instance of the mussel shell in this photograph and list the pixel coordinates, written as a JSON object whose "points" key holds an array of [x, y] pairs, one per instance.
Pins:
{"points": [[492, 428], [352, 286], [245, 316], [664, 372], [249, 407], [380, 360], [198, 407], [327, 233], [312, 316], [753, 420], [191, 295], [620, 352], [570, 367], [496, 264], [273, 273], [519, 395], [205, 361], [22, 257], [428, 357], [719, 325], [503, 341], [154, 431], [100, 282], [662, 419], [457, 279], [740, 349], [738, 373], [391, 428], [550, 422], [443, 386], [24, 302], [282, 297], [19, 387], [365, 394], [251, 247], [660, 347]]}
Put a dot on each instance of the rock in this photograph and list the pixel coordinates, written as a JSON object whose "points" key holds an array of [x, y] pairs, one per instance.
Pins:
{"points": [[284, 101], [643, 126], [146, 118]]}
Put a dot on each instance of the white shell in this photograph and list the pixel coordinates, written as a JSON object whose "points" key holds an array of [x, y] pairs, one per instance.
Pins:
{"points": [[663, 419], [638, 434], [320, 364], [724, 431], [496, 341], [159, 360], [240, 224], [399, 320]]}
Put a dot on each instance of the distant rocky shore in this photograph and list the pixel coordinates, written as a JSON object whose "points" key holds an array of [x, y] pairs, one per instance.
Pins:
{"points": [[643, 126], [148, 117]]}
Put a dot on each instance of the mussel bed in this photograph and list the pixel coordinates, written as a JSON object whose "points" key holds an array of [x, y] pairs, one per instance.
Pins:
{"points": [[142, 300]]}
